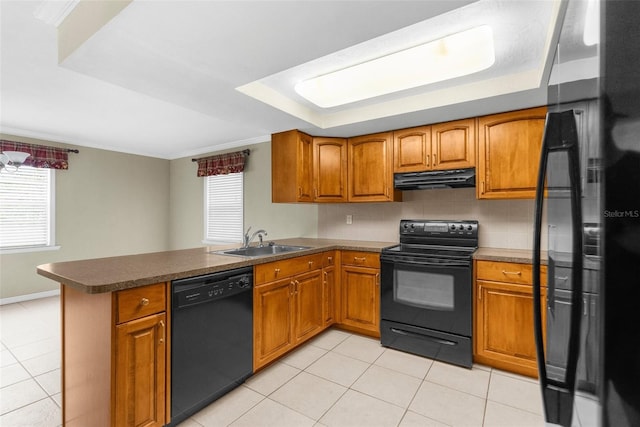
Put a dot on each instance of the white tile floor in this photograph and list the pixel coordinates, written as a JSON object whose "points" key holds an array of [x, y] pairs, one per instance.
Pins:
{"points": [[337, 379]]}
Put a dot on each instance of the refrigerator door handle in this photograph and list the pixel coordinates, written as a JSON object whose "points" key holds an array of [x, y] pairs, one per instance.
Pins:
{"points": [[560, 134]]}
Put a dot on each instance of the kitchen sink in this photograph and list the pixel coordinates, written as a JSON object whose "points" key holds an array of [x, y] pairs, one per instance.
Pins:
{"points": [[258, 251]]}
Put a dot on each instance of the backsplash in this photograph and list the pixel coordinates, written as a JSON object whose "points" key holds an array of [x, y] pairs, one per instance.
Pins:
{"points": [[503, 223]]}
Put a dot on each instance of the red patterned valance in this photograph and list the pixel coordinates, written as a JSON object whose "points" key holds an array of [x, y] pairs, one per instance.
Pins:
{"points": [[222, 164], [41, 156]]}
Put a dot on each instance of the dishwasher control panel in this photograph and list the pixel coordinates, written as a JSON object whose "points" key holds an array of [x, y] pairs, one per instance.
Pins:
{"points": [[202, 289]]}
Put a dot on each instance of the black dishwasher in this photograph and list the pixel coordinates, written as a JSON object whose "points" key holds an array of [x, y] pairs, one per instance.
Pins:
{"points": [[211, 338]]}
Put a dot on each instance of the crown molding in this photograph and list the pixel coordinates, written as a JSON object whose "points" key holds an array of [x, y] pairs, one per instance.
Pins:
{"points": [[53, 12]]}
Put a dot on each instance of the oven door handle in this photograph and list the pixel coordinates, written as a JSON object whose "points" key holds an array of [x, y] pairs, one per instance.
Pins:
{"points": [[413, 334], [425, 262]]}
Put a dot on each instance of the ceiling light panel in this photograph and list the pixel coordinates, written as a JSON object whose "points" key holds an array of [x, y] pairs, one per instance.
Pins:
{"points": [[456, 55]]}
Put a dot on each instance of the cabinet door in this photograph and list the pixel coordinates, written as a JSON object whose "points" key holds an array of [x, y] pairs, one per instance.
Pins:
{"points": [[509, 147], [371, 169], [453, 144], [329, 295], [330, 169], [504, 326], [412, 149], [291, 167], [273, 324], [308, 305], [360, 305], [140, 361], [305, 168]]}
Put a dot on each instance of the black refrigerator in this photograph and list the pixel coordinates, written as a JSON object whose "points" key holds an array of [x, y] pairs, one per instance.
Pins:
{"points": [[587, 220]]}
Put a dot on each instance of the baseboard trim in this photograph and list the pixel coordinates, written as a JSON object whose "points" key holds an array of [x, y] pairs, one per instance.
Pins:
{"points": [[29, 297]]}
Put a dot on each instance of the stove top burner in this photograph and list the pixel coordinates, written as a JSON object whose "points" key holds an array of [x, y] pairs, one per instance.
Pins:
{"points": [[449, 252]]}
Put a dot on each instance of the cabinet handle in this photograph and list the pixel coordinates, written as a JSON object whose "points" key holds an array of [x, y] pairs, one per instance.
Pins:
{"points": [[435, 162], [324, 274], [310, 264], [377, 279], [144, 301], [428, 160], [359, 259], [276, 272], [482, 192], [161, 340], [330, 260], [299, 191], [480, 292], [516, 273]]}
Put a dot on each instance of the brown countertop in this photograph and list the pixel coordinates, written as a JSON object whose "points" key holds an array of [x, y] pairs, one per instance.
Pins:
{"points": [[102, 275], [508, 255]]}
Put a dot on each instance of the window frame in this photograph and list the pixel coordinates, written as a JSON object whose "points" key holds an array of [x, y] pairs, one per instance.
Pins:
{"points": [[212, 240], [51, 222]]}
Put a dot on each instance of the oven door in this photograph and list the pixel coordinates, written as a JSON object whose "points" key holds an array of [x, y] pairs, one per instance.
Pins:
{"points": [[429, 293]]}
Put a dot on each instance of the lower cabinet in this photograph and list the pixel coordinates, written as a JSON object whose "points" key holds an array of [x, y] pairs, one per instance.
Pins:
{"points": [[115, 357], [360, 292], [140, 372], [286, 311], [329, 287], [504, 334]]}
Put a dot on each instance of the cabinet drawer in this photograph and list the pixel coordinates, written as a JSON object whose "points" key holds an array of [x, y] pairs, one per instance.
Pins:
{"points": [[264, 273], [509, 272], [329, 259], [140, 302], [361, 259]]}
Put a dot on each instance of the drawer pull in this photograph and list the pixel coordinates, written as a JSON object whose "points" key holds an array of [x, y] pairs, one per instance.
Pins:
{"points": [[276, 271], [516, 273], [359, 259], [144, 302], [330, 260], [310, 264]]}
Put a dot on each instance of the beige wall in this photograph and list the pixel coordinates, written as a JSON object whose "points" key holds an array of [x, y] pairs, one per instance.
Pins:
{"points": [[280, 220], [107, 204], [503, 223]]}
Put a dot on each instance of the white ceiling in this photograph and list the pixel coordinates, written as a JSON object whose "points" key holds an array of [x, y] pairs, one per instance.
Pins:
{"points": [[160, 78]]}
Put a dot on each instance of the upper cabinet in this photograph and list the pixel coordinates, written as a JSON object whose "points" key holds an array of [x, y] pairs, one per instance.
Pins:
{"points": [[329, 169], [449, 145], [370, 169], [291, 167], [504, 148], [412, 149], [453, 144], [509, 147]]}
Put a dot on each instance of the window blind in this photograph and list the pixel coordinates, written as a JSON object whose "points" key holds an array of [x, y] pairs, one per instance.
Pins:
{"points": [[26, 208], [224, 208]]}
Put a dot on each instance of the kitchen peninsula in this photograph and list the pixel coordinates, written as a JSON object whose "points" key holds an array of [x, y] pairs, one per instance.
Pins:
{"points": [[116, 320]]}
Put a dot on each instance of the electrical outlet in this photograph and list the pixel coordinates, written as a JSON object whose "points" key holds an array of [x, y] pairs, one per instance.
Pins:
{"points": [[349, 219]]}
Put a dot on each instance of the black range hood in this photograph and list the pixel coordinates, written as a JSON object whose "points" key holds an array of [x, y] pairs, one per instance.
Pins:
{"points": [[435, 179]]}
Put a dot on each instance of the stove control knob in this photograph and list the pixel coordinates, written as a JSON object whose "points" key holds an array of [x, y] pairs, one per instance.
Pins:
{"points": [[461, 227], [452, 227], [469, 227]]}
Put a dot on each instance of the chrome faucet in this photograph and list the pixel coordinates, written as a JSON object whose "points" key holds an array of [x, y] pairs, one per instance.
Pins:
{"points": [[247, 240]]}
